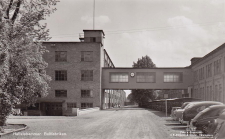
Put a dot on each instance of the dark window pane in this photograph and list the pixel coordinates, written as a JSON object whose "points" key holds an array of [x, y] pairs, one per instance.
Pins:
{"points": [[60, 75], [60, 93], [87, 75], [60, 56], [87, 56]]}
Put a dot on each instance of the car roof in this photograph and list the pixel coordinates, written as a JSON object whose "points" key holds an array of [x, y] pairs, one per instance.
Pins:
{"points": [[216, 106], [213, 107], [208, 102]]}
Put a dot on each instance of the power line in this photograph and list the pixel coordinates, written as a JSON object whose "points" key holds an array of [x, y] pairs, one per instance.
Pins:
{"points": [[141, 30]]}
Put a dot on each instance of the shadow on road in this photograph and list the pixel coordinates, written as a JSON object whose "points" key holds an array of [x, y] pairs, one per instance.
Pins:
{"points": [[174, 124], [158, 113], [180, 128], [131, 107]]}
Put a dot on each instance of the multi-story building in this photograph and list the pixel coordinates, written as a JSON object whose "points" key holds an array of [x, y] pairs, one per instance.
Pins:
{"points": [[75, 68], [209, 75], [84, 76]]}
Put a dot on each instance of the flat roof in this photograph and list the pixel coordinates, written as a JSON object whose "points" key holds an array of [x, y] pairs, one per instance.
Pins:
{"points": [[209, 54], [94, 30]]}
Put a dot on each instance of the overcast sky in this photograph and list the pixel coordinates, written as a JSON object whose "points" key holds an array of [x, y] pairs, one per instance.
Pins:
{"points": [[171, 32]]}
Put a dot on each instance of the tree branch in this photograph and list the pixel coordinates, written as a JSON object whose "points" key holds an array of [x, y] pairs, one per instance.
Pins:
{"points": [[16, 11], [8, 9]]}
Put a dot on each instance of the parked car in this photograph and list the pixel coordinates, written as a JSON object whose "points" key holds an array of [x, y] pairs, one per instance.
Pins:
{"points": [[174, 111], [178, 112], [220, 134], [217, 126], [172, 115], [195, 108], [203, 118]]}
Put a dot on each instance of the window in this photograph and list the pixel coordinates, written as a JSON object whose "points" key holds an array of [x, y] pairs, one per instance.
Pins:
{"points": [[145, 77], [196, 76], [86, 105], [60, 56], [71, 105], [87, 75], [217, 67], [173, 77], [36, 106], [60, 93], [119, 77], [87, 56], [211, 93], [92, 39], [216, 93], [60, 75], [220, 93], [86, 93], [201, 73]]}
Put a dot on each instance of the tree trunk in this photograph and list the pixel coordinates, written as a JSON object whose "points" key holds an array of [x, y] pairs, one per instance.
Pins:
{"points": [[2, 120]]}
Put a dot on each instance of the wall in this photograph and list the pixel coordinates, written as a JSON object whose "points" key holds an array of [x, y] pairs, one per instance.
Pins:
{"points": [[73, 65], [210, 88]]}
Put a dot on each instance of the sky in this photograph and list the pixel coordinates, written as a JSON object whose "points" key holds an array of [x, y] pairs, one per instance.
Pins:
{"points": [[170, 32]]}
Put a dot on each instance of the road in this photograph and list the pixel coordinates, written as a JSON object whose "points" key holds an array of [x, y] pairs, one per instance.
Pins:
{"points": [[123, 123]]}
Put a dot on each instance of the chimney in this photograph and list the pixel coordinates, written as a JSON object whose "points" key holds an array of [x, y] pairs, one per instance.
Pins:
{"points": [[195, 59]]}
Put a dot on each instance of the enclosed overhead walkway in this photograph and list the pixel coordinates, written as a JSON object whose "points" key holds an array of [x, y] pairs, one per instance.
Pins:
{"points": [[139, 78]]}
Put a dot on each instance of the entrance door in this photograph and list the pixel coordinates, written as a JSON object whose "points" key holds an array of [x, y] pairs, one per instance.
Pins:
{"points": [[54, 109]]}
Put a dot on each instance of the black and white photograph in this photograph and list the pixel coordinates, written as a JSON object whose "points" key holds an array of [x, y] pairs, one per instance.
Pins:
{"points": [[112, 69]]}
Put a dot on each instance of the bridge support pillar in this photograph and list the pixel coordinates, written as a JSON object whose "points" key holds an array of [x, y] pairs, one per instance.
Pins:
{"points": [[102, 99]]}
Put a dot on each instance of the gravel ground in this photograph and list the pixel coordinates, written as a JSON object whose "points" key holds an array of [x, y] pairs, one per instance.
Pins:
{"points": [[123, 123]]}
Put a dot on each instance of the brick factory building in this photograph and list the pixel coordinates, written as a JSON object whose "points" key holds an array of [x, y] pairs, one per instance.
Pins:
{"points": [[83, 76], [75, 68]]}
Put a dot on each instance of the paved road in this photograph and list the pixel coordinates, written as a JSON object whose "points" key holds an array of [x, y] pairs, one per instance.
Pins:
{"points": [[123, 123]]}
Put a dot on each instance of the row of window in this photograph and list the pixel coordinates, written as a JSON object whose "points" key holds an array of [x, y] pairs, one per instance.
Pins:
{"points": [[86, 75], [208, 93], [146, 77], [207, 71], [142, 77], [61, 56], [83, 105], [84, 93]]}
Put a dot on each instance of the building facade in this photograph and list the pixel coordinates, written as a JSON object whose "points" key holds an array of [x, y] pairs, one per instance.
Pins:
{"points": [[76, 71], [209, 76], [84, 76]]}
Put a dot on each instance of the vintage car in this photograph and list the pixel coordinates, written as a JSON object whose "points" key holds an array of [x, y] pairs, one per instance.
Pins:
{"points": [[203, 118], [217, 126], [174, 111], [178, 112], [219, 133], [172, 115], [190, 112]]}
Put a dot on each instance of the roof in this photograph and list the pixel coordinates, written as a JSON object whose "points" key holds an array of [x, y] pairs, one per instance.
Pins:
{"points": [[94, 30], [209, 54]]}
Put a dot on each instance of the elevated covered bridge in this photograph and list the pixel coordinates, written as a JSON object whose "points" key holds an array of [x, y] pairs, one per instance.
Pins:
{"points": [[154, 78]]}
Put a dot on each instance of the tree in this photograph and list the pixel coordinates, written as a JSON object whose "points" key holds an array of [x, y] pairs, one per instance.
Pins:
{"points": [[22, 69], [142, 96], [144, 62]]}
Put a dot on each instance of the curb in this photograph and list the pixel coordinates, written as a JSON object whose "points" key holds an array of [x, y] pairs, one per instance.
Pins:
{"points": [[17, 130]]}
